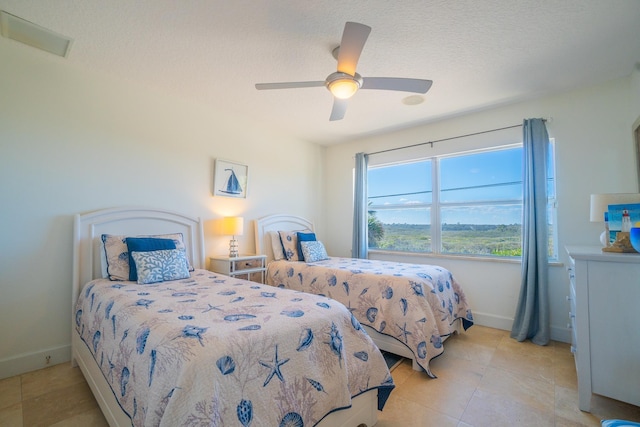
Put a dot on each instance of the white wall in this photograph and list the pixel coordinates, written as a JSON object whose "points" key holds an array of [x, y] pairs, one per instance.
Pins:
{"points": [[635, 112], [594, 154], [73, 141]]}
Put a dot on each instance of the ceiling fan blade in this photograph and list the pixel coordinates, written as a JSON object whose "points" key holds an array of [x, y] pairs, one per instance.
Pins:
{"points": [[354, 37], [338, 110], [288, 85], [397, 83]]}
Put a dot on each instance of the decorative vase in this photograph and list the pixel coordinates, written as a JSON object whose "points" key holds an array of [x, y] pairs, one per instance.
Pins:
{"points": [[634, 236]]}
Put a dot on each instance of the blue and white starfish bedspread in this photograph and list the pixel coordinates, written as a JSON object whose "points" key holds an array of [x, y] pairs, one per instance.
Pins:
{"points": [[212, 350], [413, 303]]}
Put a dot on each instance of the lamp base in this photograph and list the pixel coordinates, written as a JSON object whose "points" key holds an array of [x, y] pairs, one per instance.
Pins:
{"points": [[233, 248]]}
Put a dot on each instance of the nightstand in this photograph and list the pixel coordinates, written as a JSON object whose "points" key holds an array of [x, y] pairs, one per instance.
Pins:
{"points": [[248, 267]]}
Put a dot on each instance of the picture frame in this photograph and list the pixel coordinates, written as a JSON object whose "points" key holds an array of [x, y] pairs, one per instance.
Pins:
{"points": [[230, 179], [615, 217]]}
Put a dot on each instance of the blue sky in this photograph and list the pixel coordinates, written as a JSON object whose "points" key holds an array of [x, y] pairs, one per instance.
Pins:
{"points": [[470, 178]]}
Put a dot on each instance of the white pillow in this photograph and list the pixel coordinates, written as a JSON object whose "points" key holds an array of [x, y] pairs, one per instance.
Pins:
{"points": [[276, 245]]}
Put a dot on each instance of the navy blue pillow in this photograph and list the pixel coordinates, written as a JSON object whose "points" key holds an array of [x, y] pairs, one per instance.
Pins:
{"points": [[145, 244], [305, 237]]}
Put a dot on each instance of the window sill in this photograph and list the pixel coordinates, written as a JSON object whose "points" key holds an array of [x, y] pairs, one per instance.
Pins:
{"points": [[478, 258]]}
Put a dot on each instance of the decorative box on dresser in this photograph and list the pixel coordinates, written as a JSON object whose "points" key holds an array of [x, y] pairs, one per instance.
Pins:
{"points": [[248, 267], [605, 317]]}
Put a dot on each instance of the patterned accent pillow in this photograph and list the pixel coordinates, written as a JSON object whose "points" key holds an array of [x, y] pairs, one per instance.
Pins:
{"points": [[161, 266], [289, 241], [290, 245], [145, 244], [117, 253], [313, 251], [117, 256]]}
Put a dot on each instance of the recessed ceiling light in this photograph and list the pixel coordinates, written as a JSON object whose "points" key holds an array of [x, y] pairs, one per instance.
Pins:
{"points": [[413, 100], [26, 32]]}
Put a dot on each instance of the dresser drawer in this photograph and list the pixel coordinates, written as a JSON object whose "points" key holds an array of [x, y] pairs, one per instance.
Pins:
{"points": [[572, 306], [248, 267], [247, 264], [574, 336]]}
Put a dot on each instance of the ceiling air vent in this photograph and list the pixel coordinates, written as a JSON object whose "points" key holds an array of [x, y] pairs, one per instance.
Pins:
{"points": [[26, 32]]}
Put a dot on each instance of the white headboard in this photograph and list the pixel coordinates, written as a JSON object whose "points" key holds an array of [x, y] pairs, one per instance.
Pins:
{"points": [[88, 227], [276, 223]]}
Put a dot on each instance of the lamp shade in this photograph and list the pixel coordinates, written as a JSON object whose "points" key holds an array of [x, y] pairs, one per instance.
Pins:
{"points": [[233, 226], [600, 203]]}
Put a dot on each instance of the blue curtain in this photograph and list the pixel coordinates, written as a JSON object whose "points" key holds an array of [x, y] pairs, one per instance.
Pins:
{"points": [[360, 223], [532, 313]]}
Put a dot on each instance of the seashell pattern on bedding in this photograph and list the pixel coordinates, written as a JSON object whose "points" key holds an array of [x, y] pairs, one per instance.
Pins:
{"points": [[413, 303], [213, 350]]}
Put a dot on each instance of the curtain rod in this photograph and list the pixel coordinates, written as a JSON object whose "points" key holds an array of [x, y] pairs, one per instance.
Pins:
{"points": [[447, 139]]}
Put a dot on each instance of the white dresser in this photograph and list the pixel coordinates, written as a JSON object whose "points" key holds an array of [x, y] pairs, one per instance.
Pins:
{"points": [[605, 321]]}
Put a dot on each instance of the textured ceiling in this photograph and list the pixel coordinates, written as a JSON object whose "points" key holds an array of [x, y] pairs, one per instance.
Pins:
{"points": [[479, 53]]}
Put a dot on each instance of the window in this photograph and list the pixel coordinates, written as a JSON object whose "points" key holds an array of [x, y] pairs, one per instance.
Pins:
{"points": [[400, 198], [462, 204]]}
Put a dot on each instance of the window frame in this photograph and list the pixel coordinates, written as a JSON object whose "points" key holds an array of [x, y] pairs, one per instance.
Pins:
{"points": [[435, 207]]}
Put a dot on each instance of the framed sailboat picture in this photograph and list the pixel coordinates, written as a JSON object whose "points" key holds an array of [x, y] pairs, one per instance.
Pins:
{"points": [[230, 179]]}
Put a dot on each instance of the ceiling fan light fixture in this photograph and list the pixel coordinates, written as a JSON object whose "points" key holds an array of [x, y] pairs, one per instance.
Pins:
{"points": [[344, 88], [345, 82], [343, 85]]}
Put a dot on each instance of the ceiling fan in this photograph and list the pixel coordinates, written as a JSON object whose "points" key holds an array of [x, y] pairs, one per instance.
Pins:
{"points": [[345, 82]]}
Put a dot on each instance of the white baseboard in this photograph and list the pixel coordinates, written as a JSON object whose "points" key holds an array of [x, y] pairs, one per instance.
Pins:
{"points": [[37, 360], [492, 321], [28, 362], [560, 334], [557, 333]]}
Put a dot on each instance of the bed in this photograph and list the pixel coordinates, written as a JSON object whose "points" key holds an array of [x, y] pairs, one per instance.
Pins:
{"points": [[408, 309], [208, 349]]}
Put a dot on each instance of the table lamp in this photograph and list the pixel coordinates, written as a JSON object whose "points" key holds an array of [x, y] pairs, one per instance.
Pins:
{"points": [[233, 226]]}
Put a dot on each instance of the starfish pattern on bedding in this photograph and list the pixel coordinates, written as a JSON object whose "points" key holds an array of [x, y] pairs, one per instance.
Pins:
{"points": [[213, 307], [351, 310], [403, 331], [274, 365]]}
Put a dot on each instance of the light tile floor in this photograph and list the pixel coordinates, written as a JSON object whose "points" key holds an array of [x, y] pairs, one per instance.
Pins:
{"points": [[484, 379]]}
